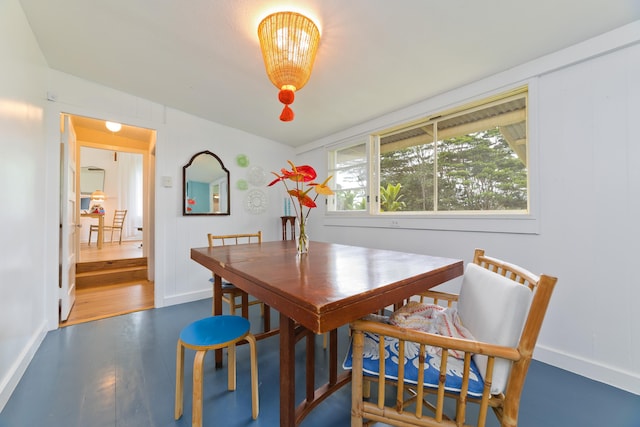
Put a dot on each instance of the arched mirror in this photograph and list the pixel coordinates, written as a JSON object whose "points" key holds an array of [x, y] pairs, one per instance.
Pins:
{"points": [[205, 186]]}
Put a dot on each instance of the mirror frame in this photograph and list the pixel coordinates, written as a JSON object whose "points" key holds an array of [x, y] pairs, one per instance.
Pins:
{"points": [[91, 175], [184, 186]]}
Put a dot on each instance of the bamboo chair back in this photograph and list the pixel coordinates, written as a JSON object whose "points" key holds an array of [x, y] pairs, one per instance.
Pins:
{"points": [[234, 297], [425, 406], [234, 239]]}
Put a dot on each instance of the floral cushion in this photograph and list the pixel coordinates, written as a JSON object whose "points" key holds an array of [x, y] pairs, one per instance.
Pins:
{"points": [[432, 365]]}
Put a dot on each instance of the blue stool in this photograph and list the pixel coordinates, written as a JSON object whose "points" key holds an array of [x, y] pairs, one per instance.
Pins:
{"points": [[212, 333]]}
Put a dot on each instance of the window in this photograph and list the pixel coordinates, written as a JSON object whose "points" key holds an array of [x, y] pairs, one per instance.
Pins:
{"points": [[469, 160], [350, 169]]}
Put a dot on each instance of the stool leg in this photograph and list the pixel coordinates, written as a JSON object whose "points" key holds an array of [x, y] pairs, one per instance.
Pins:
{"points": [[231, 369], [196, 410], [255, 402], [179, 380]]}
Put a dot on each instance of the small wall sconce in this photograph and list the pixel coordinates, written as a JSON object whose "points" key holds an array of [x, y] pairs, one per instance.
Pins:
{"points": [[113, 126]]}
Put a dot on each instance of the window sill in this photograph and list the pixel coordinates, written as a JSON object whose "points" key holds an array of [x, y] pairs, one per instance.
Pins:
{"points": [[490, 223]]}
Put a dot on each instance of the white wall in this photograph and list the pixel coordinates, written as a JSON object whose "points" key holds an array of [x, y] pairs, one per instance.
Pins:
{"points": [[586, 148], [29, 136], [591, 206], [23, 205], [179, 278], [587, 206], [179, 136]]}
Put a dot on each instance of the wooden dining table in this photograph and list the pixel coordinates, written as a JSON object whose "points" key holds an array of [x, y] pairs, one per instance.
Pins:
{"points": [[317, 292], [100, 238]]}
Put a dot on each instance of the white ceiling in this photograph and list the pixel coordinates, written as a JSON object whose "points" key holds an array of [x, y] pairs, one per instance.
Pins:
{"points": [[375, 56]]}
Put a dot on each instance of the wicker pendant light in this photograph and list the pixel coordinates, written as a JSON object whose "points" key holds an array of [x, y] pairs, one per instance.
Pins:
{"points": [[289, 42]]}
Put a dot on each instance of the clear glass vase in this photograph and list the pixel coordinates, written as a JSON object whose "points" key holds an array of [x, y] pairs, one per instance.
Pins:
{"points": [[302, 239]]}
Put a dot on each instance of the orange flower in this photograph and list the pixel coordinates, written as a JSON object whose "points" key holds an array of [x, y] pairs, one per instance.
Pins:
{"points": [[303, 198], [304, 173], [299, 175], [322, 188]]}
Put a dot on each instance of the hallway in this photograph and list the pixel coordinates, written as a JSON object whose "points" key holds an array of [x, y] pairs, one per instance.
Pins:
{"points": [[99, 302], [109, 251]]}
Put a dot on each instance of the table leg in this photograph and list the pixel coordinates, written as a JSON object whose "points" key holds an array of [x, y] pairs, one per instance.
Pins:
{"points": [[217, 310], [310, 368], [267, 318], [100, 231], [245, 305], [284, 227], [287, 372], [293, 228], [333, 357], [336, 381]]}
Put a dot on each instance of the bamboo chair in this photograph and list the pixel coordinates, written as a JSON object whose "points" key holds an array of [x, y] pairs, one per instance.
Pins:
{"points": [[489, 306], [232, 295], [117, 225]]}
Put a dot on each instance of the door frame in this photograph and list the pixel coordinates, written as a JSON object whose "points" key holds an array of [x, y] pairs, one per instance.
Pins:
{"points": [[52, 116], [69, 217]]}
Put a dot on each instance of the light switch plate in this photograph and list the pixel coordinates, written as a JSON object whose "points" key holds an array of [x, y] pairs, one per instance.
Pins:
{"points": [[167, 182]]}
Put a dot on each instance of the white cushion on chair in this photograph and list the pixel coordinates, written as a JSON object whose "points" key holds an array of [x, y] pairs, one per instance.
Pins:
{"points": [[493, 308]]}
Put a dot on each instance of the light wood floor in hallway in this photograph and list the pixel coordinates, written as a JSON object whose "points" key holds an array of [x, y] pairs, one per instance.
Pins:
{"points": [[109, 251], [99, 302]]}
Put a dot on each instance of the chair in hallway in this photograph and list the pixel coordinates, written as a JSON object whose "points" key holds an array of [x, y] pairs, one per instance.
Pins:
{"points": [[501, 305], [213, 333], [117, 225]]}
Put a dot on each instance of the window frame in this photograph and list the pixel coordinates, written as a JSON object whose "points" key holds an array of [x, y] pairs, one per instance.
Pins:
{"points": [[489, 221], [368, 167]]}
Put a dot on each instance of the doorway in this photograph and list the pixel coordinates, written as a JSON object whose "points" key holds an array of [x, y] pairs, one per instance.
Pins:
{"points": [[114, 277]]}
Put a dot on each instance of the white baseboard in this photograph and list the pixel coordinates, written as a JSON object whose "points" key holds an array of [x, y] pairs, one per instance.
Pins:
{"points": [[627, 381], [13, 376], [187, 297]]}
